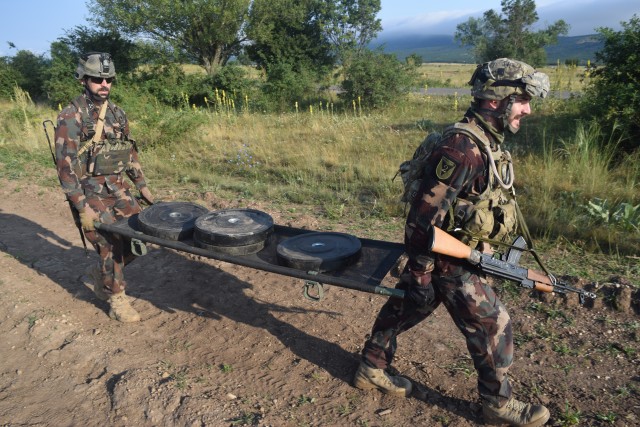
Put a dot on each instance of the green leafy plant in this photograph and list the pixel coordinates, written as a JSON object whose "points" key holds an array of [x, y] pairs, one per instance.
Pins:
{"points": [[569, 417]]}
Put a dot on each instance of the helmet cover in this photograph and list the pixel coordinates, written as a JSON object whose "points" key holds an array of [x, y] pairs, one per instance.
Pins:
{"points": [[95, 64], [503, 77]]}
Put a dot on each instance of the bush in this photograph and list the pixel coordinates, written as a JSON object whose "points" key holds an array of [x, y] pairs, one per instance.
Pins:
{"points": [[375, 78], [166, 83], [231, 79], [612, 95], [286, 86], [9, 79]]}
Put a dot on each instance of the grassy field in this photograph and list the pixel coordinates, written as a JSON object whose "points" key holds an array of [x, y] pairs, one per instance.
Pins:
{"points": [[339, 165], [563, 78]]}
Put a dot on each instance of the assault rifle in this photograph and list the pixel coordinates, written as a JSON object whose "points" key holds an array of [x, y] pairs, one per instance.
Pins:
{"points": [[445, 244], [74, 211]]}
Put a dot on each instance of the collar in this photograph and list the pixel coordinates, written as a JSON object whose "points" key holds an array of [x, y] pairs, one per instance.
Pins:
{"points": [[498, 136]]}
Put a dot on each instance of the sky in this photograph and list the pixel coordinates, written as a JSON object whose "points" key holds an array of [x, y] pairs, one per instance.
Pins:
{"points": [[33, 24]]}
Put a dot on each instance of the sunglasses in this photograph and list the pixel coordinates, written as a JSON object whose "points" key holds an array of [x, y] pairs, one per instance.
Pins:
{"points": [[98, 80]]}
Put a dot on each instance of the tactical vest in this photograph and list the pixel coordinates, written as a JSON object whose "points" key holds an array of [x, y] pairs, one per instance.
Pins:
{"points": [[109, 156], [492, 214]]}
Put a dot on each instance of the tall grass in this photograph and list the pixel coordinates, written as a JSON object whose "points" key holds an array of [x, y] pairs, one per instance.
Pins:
{"points": [[577, 184]]}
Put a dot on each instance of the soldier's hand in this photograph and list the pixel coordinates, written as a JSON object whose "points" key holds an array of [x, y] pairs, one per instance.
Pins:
{"points": [[87, 217], [146, 195], [420, 291]]}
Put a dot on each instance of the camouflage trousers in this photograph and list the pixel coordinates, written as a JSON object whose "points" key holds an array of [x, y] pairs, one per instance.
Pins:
{"points": [[114, 250], [475, 310]]}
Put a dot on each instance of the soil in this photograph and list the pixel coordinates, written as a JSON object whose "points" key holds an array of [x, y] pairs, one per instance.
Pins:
{"points": [[224, 345]]}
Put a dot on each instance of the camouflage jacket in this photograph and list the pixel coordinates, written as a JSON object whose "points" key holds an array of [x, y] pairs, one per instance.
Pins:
{"points": [[457, 169], [73, 131]]}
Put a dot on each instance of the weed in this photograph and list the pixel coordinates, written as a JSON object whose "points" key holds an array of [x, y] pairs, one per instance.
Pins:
{"points": [[443, 419], [305, 400], [180, 378], [226, 368], [246, 419], [609, 417], [462, 366], [31, 320], [569, 417], [176, 346], [623, 392], [565, 368], [345, 409], [563, 348]]}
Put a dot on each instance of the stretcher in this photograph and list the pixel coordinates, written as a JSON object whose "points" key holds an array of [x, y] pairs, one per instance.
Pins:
{"points": [[365, 273]]}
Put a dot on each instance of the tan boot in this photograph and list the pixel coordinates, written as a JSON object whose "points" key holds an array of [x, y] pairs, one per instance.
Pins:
{"points": [[515, 413], [95, 281], [121, 310], [367, 378]]}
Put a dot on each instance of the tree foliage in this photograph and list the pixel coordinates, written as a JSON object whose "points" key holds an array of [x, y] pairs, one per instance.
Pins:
{"points": [[510, 34], [350, 25], [613, 95], [288, 32], [30, 70], [209, 31], [375, 78]]}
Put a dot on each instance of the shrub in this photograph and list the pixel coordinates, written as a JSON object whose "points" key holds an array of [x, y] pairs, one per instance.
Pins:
{"points": [[612, 95], [375, 78]]}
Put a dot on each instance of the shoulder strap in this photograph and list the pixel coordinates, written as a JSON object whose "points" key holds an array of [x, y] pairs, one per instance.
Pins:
{"points": [[470, 130], [99, 127]]}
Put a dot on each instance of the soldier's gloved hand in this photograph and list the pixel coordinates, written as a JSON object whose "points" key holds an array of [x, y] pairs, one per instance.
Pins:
{"points": [[146, 195], [87, 217], [420, 291]]}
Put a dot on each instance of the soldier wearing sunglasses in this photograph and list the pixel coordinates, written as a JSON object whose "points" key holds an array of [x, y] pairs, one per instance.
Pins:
{"points": [[94, 152]]}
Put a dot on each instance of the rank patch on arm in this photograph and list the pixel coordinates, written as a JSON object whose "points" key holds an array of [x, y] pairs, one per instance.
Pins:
{"points": [[445, 168]]}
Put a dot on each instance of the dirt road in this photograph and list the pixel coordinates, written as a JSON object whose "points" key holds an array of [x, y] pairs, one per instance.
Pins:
{"points": [[222, 345]]}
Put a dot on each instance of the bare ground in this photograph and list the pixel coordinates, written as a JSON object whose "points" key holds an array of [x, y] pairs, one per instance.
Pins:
{"points": [[223, 345]]}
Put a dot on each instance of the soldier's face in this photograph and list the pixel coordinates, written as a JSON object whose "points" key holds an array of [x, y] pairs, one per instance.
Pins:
{"points": [[99, 87], [521, 107]]}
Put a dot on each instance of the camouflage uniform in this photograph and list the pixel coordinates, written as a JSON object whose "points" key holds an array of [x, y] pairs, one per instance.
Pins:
{"points": [[458, 169], [466, 189], [107, 194]]}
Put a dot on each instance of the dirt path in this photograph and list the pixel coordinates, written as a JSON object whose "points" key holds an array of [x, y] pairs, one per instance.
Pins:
{"points": [[221, 345]]}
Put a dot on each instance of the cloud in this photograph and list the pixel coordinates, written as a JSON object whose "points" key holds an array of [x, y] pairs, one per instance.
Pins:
{"points": [[443, 22], [583, 17]]}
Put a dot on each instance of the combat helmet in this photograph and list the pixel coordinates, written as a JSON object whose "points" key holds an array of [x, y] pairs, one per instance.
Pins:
{"points": [[504, 77], [507, 78], [95, 64]]}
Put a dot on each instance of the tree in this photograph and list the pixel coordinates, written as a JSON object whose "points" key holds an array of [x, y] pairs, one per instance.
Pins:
{"points": [[350, 25], [613, 95], [496, 36], [209, 31], [289, 32], [9, 78], [375, 78], [31, 71]]}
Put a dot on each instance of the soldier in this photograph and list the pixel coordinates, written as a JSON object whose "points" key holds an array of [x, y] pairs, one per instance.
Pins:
{"points": [[467, 191], [93, 152]]}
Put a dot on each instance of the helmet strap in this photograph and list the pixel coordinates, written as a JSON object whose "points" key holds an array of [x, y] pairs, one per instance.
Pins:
{"points": [[506, 113]]}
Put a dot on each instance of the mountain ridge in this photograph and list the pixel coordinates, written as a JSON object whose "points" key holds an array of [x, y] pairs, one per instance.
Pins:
{"points": [[443, 48]]}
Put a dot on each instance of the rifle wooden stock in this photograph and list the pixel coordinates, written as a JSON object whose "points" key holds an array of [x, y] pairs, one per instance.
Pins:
{"points": [[445, 244], [541, 281]]}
